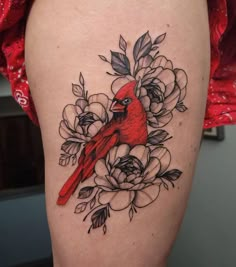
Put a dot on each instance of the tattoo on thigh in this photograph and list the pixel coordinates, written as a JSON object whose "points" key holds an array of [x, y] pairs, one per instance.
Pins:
{"points": [[117, 145]]}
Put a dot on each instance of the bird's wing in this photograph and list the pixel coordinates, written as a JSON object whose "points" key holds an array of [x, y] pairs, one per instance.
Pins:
{"points": [[98, 149]]}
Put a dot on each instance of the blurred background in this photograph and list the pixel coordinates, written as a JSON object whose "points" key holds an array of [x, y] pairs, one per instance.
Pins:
{"points": [[207, 237]]}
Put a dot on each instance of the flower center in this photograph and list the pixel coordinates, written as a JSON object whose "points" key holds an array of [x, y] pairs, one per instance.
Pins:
{"points": [[86, 118], [130, 165], [154, 92]]}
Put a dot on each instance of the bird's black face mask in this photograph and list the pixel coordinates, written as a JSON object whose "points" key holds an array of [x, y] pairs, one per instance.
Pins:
{"points": [[121, 115]]}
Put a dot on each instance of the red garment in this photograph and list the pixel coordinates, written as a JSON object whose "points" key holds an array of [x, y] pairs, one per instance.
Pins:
{"points": [[221, 101]]}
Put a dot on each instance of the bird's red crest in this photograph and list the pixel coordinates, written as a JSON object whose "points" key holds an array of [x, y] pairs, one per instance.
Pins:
{"points": [[128, 90]]}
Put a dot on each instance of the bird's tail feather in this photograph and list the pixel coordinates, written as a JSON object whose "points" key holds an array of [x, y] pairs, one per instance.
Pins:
{"points": [[70, 186]]}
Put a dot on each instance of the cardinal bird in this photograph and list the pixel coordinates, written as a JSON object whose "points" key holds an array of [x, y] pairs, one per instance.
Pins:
{"points": [[128, 125]]}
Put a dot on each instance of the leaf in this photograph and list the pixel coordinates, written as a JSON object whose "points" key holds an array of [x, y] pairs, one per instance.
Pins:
{"points": [[160, 39], [157, 137], [74, 159], [103, 58], [166, 186], [142, 46], [64, 159], [122, 44], [85, 192], [71, 147], [80, 207], [99, 217], [77, 90], [104, 228], [92, 202], [131, 214], [172, 175], [120, 63], [181, 107], [81, 79]]}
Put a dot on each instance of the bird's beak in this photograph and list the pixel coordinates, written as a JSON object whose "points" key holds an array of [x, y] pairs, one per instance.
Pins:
{"points": [[116, 107]]}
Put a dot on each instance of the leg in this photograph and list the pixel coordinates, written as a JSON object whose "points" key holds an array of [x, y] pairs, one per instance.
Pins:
{"points": [[64, 38]]}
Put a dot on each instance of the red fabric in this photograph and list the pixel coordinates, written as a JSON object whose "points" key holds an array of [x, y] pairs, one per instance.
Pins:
{"points": [[221, 101], [13, 15]]}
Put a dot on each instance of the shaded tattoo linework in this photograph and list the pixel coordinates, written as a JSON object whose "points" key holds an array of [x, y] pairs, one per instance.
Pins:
{"points": [[118, 143]]}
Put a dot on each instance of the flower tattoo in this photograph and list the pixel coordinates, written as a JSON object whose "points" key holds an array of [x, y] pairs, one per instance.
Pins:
{"points": [[118, 143]]}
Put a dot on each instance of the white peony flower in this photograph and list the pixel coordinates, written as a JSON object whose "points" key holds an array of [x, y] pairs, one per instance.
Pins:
{"points": [[83, 120], [130, 175]]}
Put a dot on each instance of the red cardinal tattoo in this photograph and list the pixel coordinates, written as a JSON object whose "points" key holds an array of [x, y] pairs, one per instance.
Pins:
{"points": [[118, 145], [128, 126]]}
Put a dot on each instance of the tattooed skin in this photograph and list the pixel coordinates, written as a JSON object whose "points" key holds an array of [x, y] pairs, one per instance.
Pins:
{"points": [[118, 144]]}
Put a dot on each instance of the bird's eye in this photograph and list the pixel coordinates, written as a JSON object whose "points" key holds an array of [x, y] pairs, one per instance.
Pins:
{"points": [[126, 101]]}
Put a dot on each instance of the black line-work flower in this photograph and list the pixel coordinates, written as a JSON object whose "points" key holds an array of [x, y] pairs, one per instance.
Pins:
{"points": [[130, 176], [82, 120], [127, 178]]}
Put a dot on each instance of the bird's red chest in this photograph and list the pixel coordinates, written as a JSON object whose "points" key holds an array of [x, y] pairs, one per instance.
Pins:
{"points": [[133, 132]]}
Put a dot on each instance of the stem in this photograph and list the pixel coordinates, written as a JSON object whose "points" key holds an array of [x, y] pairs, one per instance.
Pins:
{"points": [[168, 138], [89, 230]]}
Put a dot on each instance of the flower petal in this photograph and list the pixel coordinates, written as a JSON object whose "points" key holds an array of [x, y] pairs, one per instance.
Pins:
{"points": [[77, 127], [69, 114], [141, 152], [104, 188], [94, 128], [122, 176], [99, 98], [154, 73], [118, 200], [182, 81], [162, 61], [146, 196], [119, 82], [164, 156], [82, 103], [101, 181], [144, 61], [101, 168], [171, 101], [142, 72], [181, 78], [118, 152], [160, 121], [137, 180], [182, 94], [163, 120], [138, 186], [116, 172], [145, 100], [126, 185], [143, 91], [152, 169], [97, 109], [167, 76], [156, 107], [160, 84], [64, 131], [112, 181], [81, 137], [131, 177]]}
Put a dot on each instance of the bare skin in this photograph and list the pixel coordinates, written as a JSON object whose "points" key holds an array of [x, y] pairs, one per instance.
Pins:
{"points": [[64, 38]]}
